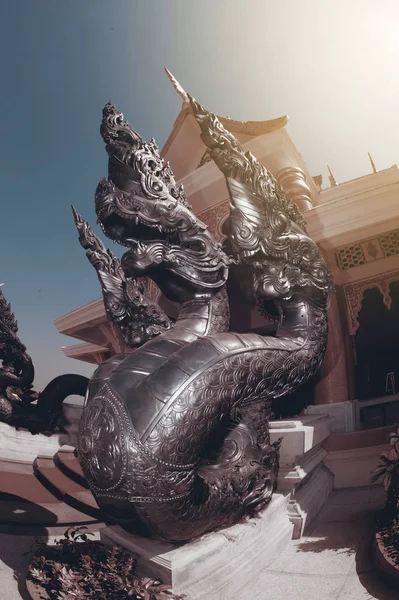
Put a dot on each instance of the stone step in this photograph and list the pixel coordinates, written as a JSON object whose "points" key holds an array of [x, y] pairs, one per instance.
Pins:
{"points": [[24, 501], [64, 488], [65, 459]]}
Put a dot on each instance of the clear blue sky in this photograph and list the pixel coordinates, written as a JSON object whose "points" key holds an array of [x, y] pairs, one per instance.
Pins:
{"points": [[331, 65]]}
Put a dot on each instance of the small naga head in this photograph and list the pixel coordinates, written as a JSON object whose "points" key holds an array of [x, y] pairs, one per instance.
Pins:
{"points": [[267, 233], [140, 206], [16, 368]]}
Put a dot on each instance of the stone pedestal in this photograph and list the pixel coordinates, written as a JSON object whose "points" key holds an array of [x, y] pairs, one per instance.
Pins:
{"points": [[344, 414], [303, 475], [217, 566]]}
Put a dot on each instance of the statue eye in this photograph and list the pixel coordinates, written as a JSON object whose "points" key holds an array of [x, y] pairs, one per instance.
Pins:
{"points": [[197, 246]]}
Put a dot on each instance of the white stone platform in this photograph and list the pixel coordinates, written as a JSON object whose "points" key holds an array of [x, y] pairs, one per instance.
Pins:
{"points": [[300, 450], [303, 474], [214, 566], [19, 445]]}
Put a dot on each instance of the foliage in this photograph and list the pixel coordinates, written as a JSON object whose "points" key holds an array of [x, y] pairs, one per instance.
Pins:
{"points": [[77, 568], [389, 533], [389, 471], [389, 468], [388, 523], [6, 315]]}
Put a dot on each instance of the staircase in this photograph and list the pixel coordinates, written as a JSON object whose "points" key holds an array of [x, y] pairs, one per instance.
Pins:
{"points": [[42, 484], [51, 493], [62, 482]]}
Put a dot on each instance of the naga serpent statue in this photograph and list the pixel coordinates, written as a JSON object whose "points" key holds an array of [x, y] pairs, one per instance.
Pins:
{"points": [[20, 406], [174, 438]]}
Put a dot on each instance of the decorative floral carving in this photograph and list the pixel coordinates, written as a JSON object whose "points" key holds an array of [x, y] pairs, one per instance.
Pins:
{"points": [[368, 250], [214, 217], [354, 295], [372, 249], [102, 443]]}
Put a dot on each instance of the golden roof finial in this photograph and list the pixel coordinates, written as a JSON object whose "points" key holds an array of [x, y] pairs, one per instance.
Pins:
{"points": [[178, 88], [331, 177], [318, 179], [372, 163]]}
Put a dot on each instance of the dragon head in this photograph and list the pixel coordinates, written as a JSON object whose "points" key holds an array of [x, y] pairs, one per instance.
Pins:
{"points": [[140, 206], [16, 368], [267, 233]]}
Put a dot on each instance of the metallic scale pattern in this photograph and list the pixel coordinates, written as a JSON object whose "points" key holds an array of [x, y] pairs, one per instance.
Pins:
{"points": [[174, 437]]}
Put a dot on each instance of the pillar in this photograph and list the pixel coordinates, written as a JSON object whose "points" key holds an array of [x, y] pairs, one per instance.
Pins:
{"points": [[334, 388], [293, 181], [336, 375]]}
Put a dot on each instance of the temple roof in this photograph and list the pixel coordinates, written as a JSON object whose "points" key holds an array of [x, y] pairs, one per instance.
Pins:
{"points": [[254, 128], [238, 128], [247, 128]]}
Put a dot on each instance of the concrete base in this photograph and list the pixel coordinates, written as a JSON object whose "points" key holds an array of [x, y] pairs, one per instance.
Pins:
{"points": [[298, 454], [354, 467], [302, 473], [309, 497], [217, 566], [19, 445], [344, 414]]}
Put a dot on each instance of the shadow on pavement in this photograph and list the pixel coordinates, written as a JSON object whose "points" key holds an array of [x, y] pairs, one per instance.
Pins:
{"points": [[21, 522]]}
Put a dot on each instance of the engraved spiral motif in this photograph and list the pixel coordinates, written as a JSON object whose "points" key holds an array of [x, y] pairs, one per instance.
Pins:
{"points": [[102, 443]]}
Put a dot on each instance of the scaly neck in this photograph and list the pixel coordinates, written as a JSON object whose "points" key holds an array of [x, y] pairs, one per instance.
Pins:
{"points": [[296, 317], [205, 314]]}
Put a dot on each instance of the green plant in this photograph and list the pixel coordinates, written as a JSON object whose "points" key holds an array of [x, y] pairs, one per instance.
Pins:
{"points": [[388, 521], [77, 568], [389, 471], [389, 533], [389, 468]]}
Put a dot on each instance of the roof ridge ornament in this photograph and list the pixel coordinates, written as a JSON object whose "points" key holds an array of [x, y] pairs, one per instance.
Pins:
{"points": [[235, 164], [333, 181], [372, 163], [178, 88]]}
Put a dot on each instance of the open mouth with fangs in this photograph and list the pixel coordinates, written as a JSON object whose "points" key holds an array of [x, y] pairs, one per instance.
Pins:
{"points": [[129, 231]]}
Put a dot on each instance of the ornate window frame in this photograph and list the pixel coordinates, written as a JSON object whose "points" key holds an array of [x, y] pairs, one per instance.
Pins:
{"points": [[354, 295]]}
